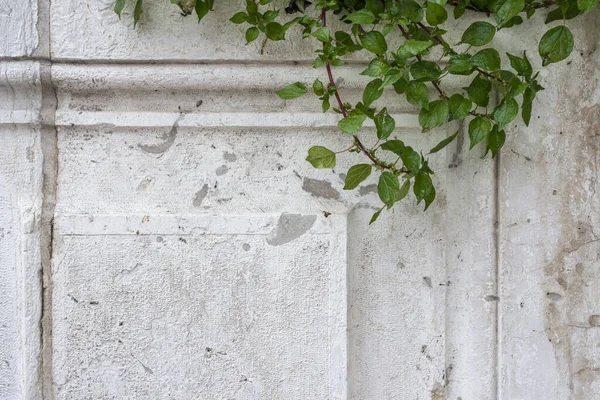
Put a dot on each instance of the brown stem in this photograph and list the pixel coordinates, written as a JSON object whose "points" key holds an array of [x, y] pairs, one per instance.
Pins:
{"points": [[344, 112]]}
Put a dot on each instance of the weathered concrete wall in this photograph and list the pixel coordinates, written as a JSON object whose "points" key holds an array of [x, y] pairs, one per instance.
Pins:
{"points": [[161, 235]]}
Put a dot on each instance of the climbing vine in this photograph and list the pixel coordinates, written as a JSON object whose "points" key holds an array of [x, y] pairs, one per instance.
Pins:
{"points": [[414, 69]]}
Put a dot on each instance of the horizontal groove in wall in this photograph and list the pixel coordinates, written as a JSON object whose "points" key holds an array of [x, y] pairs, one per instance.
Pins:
{"points": [[181, 224], [212, 120]]}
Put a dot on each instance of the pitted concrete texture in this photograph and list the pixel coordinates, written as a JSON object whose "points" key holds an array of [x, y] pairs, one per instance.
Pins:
{"points": [[161, 235]]}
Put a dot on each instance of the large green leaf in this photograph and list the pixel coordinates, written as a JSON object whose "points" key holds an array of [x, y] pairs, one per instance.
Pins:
{"points": [[321, 157], [556, 45]]}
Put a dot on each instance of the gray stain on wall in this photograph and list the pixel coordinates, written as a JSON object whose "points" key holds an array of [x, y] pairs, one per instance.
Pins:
{"points": [[290, 227]]}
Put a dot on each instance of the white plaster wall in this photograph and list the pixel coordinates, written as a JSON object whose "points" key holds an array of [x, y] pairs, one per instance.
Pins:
{"points": [[162, 236]]}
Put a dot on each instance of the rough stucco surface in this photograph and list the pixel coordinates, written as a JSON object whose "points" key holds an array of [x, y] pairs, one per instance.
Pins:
{"points": [[161, 235]]}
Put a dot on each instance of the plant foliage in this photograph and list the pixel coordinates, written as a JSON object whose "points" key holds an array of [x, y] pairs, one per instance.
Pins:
{"points": [[413, 69]]}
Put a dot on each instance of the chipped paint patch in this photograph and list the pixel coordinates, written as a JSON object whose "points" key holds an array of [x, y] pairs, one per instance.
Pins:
{"points": [[319, 188], [290, 227]]}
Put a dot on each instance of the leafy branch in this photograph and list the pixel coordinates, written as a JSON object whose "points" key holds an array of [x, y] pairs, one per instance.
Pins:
{"points": [[410, 70]]}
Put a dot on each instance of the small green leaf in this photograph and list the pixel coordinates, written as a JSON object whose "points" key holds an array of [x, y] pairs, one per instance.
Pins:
{"points": [[521, 65], [435, 115], [526, 108], [318, 88], [352, 123], [392, 76], [376, 215], [505, 112], [417, 93], [356, 175], [377, 67], [586, 5], [322, 34], [388, 188], [504, 10], [321, 157], [275, 31], [479, 91], [425, 71], [119, 4], [385, 124], [487, 59], [239, 18], [411, 10], [252, 34], [202, 8], [556, 45], [423, 188], [460, 64], [479, 128], [137, 12], [372, 92], [436, 14], [395, 146], [374, 42], [496, 140], [292, 91], [479, 33], [444, 143], [458, 106], [415, 47], [361, 17]]}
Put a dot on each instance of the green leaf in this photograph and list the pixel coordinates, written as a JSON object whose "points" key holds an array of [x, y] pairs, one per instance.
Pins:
{"points": [[458, 106], [425, 71], [292, 91], [436, 14], [395, 146], [372, 92], [252, 34], [391, 77], [479, 91], [417, 94], [318, 88], [403, 190], [137, 12], [496, 140], [415, 47], [321, 157], [435, 115], [586, 5], [505, 112], [444, 143], [504, 10], [361, 17], [521, 65], [202, 8], [411, 10], [556, 45], [479, 33], [322, 34], [352, 123], [239, 18], [275, 31], [526, 108], [423, 188], [376, 215], [460, 64], [411, 160], [479, 128], [374, 42], [388, 188], [356, 175], [376, 68], [119, 4], [385, 124], [487, 59]]}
